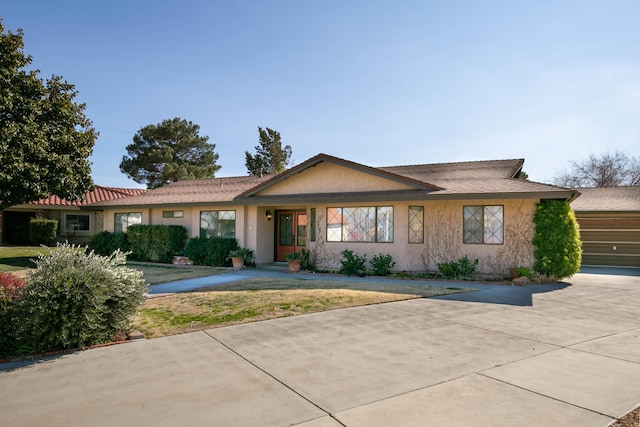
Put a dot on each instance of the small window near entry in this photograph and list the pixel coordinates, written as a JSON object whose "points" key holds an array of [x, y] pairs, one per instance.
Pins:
{"points": [[312, 224], [124, 220], [416, 224], [77, 222], [483, 225], [172, 214]]}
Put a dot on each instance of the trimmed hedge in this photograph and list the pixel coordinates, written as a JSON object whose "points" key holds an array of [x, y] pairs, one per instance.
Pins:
{"points": [[157, 243], [556, 241], [43, 231], [105, 243], [212, 251]]}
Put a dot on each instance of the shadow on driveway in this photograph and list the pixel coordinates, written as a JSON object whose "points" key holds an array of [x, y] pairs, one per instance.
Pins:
{"points": [[510, 295]]}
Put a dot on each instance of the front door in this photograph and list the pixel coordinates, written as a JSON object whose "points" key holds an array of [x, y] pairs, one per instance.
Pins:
{"points": [[291, 232]]}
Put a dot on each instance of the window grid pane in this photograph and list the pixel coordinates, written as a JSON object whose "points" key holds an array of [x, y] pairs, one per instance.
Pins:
{"points": [[334, 225], [493, 225], [312, 225], [416, 224], [360, 224], [218, 224], [385, 224], [473, 224]]}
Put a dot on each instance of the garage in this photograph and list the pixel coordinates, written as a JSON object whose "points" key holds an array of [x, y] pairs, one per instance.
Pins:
{"points": [[609, 220]]}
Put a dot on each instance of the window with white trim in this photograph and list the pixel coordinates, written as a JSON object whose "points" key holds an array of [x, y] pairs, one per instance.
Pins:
{"points": [[125, 219], [77, 223], [483, 225], [218, 224], [360, 224]]}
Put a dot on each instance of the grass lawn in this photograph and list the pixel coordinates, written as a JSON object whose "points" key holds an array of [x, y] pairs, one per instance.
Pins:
{"points": [[266, 298], [16, 258]]}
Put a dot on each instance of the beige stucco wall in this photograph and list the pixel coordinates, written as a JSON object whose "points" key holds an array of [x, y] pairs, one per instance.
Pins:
{"points": [[330, 178], [443, 238]]}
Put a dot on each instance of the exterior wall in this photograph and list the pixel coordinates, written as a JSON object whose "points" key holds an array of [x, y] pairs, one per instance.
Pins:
{"points": [[443, 238], [330, 178]]}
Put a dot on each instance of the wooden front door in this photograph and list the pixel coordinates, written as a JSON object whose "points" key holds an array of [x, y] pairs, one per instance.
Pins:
{"points": [[291, 232]]}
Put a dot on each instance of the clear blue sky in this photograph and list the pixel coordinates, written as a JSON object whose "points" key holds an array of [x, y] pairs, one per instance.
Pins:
{"points": [[377, 82]]}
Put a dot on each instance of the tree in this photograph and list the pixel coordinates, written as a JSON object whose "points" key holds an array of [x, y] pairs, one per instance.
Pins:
{"points": [[168, 152], [609, 170], [45, 138], [270, 157]]}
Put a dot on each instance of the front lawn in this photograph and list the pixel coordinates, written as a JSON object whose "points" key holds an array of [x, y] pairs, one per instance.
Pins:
{"points": [[266, 298], [16, 258]]}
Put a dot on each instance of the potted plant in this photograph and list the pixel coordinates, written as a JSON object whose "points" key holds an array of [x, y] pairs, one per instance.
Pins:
{"points": [[295, 260], [241, 256]]}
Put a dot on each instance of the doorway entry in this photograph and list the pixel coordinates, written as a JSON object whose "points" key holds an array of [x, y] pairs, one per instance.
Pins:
{"points": [[291, 232]]}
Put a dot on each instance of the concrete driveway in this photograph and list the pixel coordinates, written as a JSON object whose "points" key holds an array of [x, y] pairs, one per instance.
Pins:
{"points": [[569, 357]]}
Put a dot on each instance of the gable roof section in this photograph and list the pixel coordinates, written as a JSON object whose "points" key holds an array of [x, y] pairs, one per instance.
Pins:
{"points": [[608, 199], [192, 191], [98, 194], [320, 158], [445, 172]]}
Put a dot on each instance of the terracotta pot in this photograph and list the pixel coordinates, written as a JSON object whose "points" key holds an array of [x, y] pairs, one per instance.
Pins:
{"points": [[295, 265], [238, 263]]}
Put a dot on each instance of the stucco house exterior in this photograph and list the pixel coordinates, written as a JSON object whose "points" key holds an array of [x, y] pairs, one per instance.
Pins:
{"points": [[75, 224], [420, 214], [609, 220]]}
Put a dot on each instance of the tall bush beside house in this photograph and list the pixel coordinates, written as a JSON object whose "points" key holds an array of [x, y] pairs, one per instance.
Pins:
{"points": [[11, 287], [77, 299], [43, 231], [556, 240]]}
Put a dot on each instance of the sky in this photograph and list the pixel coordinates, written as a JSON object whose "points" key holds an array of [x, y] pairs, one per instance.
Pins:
{"points": [[382, 83]]}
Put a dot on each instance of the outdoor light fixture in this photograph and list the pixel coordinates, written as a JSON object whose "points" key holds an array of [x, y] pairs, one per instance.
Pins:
{"points": [[268, 214]]}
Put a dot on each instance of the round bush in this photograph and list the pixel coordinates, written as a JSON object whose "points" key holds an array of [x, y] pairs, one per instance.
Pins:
{"points": [[77, 299]]}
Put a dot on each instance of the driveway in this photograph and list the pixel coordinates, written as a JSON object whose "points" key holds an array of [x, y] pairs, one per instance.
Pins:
{"points": [[569, 355]]}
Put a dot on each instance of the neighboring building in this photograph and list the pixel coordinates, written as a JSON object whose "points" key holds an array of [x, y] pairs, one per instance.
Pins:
{"points": [[75, 225], [420, 214], [609, 220]]}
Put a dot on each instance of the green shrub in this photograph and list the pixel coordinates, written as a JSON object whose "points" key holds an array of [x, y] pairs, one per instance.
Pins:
{"points": [[213, 251], [381, 264], [105, 243], [43, 231], [458, 270], [11, 287], [157, 243], [77, 299], [556, 240], [523, 272], [352, 264]]}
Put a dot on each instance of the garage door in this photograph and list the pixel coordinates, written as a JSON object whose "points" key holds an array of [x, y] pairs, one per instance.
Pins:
{"points": [[610, 239]]}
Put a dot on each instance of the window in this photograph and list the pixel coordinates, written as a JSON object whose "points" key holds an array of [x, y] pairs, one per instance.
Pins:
{"points": [[218, 224], [483, 224], [172, 214], [416, 224], [312, 224], [124, 220], [77, 222], [360, 224]]}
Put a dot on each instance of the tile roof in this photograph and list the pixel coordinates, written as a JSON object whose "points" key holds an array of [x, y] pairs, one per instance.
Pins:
{"points": [[98, 194], [607, 199], [210, 190]]}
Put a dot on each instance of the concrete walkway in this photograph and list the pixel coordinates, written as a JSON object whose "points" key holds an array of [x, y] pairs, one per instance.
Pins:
{"points": [[569, 356]]}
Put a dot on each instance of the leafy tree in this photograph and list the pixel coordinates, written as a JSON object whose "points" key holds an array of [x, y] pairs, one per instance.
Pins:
{"points": [[609, 170], [270, 157], [168, 152], [45, 138]]}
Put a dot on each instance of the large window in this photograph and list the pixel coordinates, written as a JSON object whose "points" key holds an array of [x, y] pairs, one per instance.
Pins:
{"points": [[483, 225], [360, 224], [124, 220], [77, 222], [218, 224], [416, 224]]}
